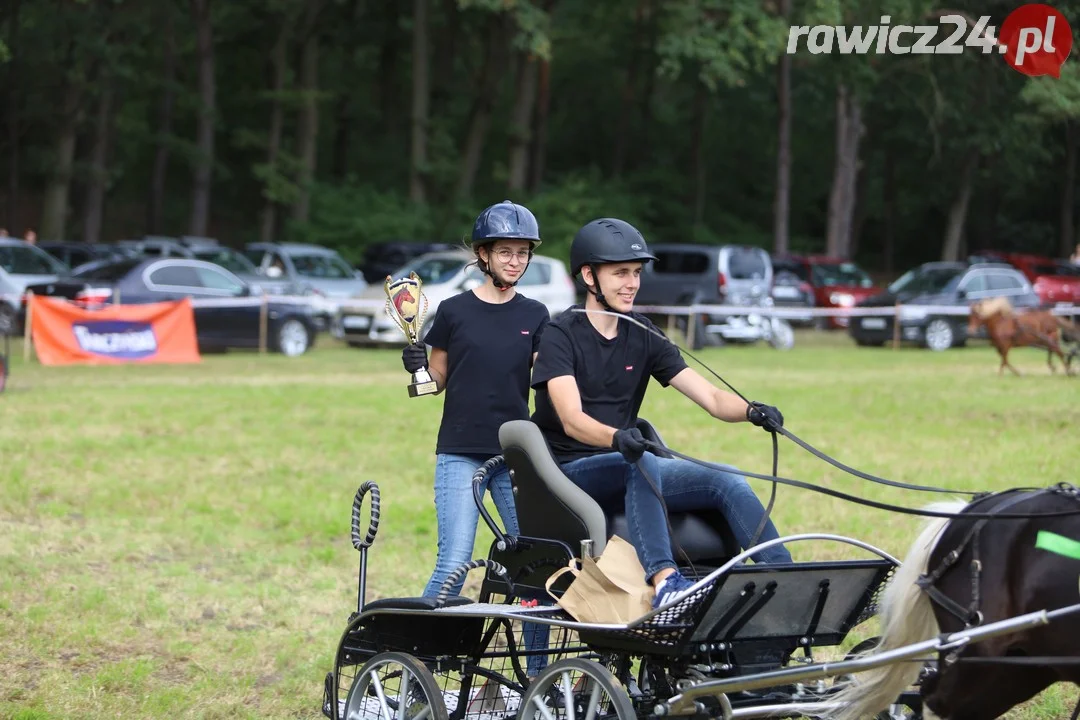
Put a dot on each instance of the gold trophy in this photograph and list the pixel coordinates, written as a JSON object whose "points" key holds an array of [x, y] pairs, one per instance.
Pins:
{"points": [[403, 299]]}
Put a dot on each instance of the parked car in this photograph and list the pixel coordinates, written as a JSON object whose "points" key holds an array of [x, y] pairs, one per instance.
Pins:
{"points": [[686, 274], [10, 300], [382, 259], [238, 264], [223, 324], [309, 266], [443, 275], [834, 282], [156, 246], [1055, 281], [948, 285], [74, 254], [791, 289], [27, 264]]}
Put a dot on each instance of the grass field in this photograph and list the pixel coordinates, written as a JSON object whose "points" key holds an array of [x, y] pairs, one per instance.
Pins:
{"points": [[174, 540]]}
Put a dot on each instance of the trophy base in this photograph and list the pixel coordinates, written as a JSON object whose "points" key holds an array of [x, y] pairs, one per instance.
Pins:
{"points": [[423, 388]]}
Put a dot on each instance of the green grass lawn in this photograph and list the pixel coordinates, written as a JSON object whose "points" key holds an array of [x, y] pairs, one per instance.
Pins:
{"points": [[174, 541]]}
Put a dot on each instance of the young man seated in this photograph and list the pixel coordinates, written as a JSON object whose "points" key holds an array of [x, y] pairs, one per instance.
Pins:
{"points": [[591, 374]]}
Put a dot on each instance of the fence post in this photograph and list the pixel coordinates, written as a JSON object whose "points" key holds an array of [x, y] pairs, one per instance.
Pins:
{"points": [[262, 324], [896, 327], [691, 324], [27, 339]]}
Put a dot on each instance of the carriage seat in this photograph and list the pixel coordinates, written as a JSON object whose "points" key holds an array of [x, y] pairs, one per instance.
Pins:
{"points": [[550, 506]]}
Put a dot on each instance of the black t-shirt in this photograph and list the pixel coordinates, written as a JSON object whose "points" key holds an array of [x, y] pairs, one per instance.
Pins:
{"points": [[612, 375], [489, 351]]}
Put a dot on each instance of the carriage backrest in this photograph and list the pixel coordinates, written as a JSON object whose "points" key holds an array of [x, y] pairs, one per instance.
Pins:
{"points": [[548, 504]]}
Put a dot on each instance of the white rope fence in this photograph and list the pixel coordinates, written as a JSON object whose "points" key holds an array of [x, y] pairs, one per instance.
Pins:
{"points": [[899, 312], [798, 313]]}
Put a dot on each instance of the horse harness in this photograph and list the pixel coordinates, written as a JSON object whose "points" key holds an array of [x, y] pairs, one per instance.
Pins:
{"points": [[972, 615]]}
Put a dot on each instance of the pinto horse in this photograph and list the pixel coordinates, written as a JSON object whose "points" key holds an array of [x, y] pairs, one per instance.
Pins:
{"points": [[1008, 329], [968, 571]]}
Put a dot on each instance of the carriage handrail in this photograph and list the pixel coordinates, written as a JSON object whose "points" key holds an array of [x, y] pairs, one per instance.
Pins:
{"points": [[462, 570], [683, 703], [503, 541], [746, 554], [373, 526]]}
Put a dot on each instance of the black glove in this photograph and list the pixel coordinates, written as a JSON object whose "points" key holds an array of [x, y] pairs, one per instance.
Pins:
{"points": [[630, 443], [764, 416], [414, 357]]}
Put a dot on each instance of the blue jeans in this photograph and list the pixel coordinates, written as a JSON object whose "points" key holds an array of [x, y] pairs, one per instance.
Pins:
{"points": [[617, 485], [458, 516]]}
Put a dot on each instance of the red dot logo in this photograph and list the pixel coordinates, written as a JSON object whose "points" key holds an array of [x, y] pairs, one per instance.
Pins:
{"points": [[1036, 39]]}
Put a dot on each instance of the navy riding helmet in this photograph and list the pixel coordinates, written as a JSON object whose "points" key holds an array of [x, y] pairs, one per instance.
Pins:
{"points": [[506, 220]]}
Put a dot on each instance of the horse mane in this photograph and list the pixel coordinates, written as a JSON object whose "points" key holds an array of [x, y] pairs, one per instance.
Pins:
{"points": [[991, 307]]}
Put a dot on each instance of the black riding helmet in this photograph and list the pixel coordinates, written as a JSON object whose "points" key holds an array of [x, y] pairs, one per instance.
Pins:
{"points": [[507, 221], [607, 240]]}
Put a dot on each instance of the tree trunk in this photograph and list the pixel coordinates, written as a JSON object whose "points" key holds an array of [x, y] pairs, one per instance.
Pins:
{"points": [[421, 96], [849, 132], [386, 83], [204, 132], [55, 202], [538, 151], [13, 101], [483, 104], [1068, 192], [622, 128], [343, 110], [308, 127], [954, 229], [644, 150], [859, 213], [782, 202], [990, 200], [521, 118], [889, 219], [155, 217], [278, 70], [93, 207], [446, 52], [697, 151]]}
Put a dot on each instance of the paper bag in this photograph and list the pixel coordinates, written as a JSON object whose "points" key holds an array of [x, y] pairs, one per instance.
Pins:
{"points": [[611, 589]]}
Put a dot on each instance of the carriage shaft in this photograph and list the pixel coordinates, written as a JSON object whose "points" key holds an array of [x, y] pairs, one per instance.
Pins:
{"points": [[683, 703]]}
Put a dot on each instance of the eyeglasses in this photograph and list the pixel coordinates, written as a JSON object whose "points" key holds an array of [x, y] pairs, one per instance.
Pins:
{"points": [[506, 255]]}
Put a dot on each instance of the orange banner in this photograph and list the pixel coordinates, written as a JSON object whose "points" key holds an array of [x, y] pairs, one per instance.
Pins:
{"points": [[65, 333]]}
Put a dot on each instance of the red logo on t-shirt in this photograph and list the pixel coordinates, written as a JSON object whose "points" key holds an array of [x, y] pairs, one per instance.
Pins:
{"points": [[629, 368], [524, 332]]}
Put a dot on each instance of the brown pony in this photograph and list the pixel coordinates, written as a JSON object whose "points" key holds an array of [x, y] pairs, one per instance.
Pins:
{"points": [[1035, 328]]}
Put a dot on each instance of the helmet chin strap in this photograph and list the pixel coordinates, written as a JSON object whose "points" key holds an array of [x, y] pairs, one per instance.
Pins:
{"points": [[499, 284], [598, 293]]}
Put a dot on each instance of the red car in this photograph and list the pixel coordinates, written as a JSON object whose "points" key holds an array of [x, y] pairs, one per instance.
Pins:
{"points": [[835, 282], [1055, 281]]}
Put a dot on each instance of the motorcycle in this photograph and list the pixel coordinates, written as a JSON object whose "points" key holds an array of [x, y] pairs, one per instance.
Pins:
{"points": [[754, 326]]}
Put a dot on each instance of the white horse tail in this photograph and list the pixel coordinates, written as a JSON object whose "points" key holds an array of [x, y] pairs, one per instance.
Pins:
{"points": [[907, 617]]}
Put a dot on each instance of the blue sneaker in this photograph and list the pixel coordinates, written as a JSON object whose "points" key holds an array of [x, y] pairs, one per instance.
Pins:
{"points": [[670, 589]]}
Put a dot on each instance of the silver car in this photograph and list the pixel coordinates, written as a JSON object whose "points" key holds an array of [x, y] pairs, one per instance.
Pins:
{"points": [[445, 274], [307, 267]]}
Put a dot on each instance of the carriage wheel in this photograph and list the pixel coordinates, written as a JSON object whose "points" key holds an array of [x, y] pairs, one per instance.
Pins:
{"points": [[382, 683], [575, 689]]}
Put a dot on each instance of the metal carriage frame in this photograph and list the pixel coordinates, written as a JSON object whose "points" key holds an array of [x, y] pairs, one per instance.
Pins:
{"points": [[469, 656], [728, 648]]}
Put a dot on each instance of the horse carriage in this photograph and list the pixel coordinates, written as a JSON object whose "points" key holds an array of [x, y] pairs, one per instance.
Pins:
{"points": [[747, 641]]}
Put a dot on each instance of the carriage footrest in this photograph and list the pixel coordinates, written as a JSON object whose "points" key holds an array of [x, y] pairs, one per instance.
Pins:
{"points": [[415, 603]]}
